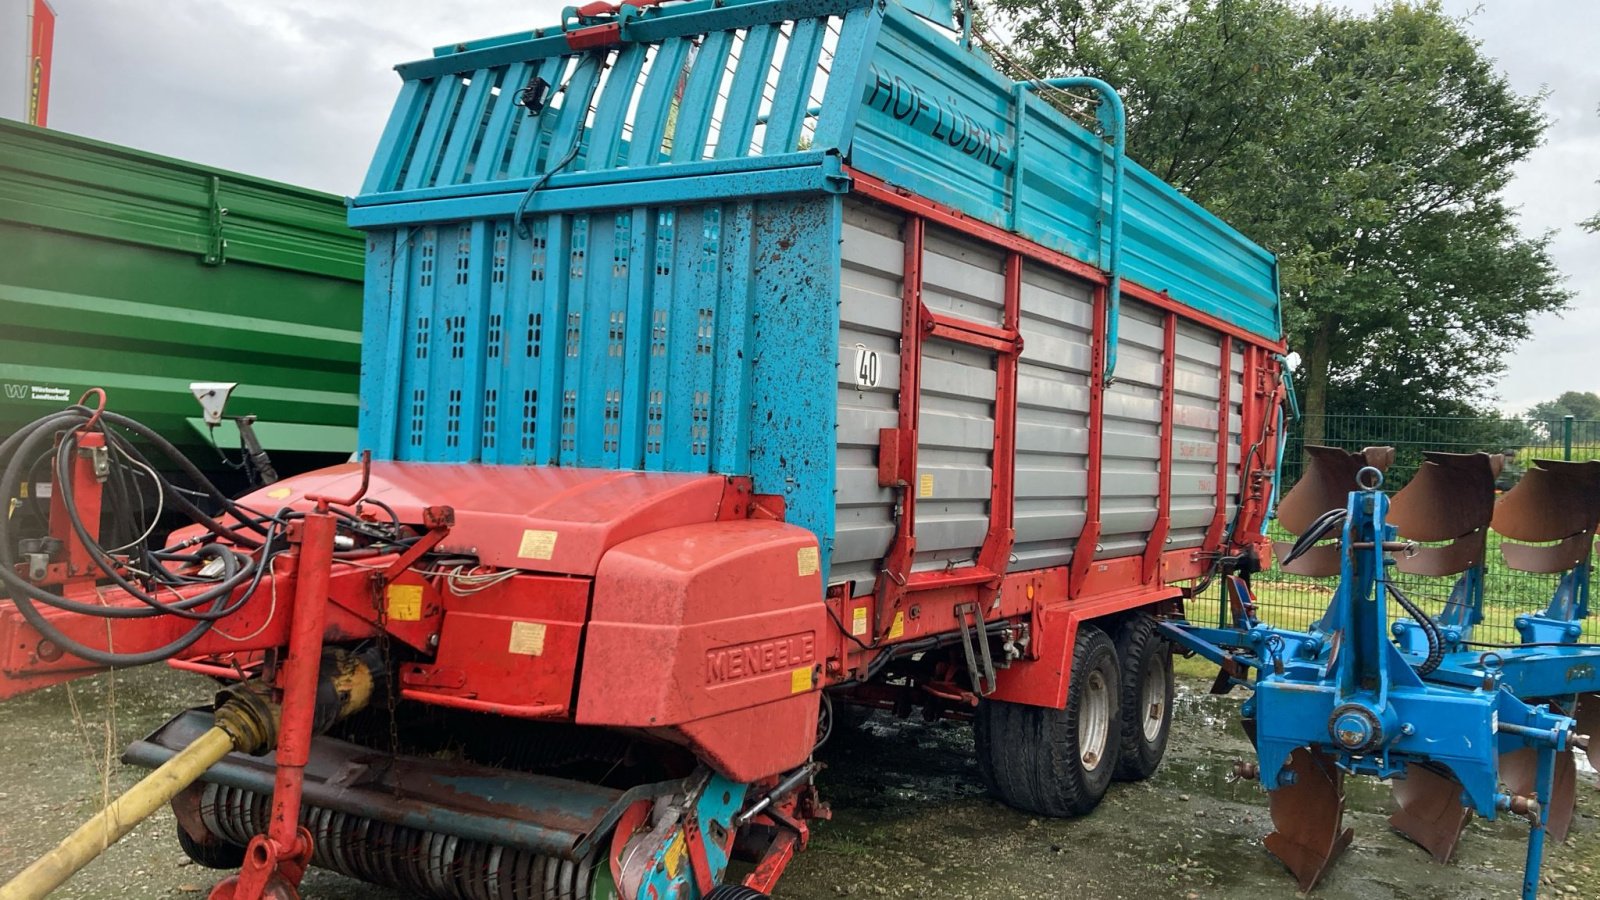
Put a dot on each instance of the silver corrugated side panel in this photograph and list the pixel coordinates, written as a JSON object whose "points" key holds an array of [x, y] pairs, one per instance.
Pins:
{"points": [[955, 442], [955, 428], [1197, 390], [1131, 439], [1052, 418], [1236, 448], [870, 305]]}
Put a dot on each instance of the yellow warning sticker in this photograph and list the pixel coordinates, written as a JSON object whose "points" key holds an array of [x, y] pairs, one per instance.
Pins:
{"points": [[405, 602], [279, 493], [897, 628], [800, 680], [925, 485], [527, 638], [858, 621], [537, 544], [674, 854], [807, 557]]}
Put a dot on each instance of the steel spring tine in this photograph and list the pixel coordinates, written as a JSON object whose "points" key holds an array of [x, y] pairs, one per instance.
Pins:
{"points": [[505, 874], [472, 870], [461, 872], [526, 887], [368, 850], [491, 872], [568, 877], [552, 873], [260, 807], [348, 849], [243, 806], [585, 870], [435, 865], [416, 868], [333, 831], [393, 841], [208, 809], [453, 868], [242, 814]]}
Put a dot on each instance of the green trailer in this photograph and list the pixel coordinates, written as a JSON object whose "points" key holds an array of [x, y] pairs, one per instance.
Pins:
{"points": [[142, 274]]}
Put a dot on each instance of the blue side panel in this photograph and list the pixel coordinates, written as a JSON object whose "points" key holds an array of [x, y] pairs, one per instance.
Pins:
{"points": [[939, 120], [1172, 244], [635, 338], [728, 416], [935, 119], [381, 342], [795, 326]]}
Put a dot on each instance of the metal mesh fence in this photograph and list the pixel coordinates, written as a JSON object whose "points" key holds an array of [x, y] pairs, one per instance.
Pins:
{"points": [[1295, 601]]}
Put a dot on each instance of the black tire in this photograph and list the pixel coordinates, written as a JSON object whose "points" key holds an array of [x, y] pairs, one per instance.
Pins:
{"points": [[216, 855], [735, 892], [1057, 762], [1147, 690]]}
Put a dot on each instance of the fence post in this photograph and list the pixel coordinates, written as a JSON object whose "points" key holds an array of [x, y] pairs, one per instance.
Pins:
{"points": [[1566, 438]]}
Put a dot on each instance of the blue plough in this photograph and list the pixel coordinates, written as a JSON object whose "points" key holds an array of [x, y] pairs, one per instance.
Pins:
{"points": [[1460, 726]]}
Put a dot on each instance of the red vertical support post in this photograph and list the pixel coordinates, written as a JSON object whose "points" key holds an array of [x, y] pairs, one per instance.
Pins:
{"points": [[86, 498], [996, 553], [1254, 437], [282, 854], [1157, 541], [300, 670], [1224, 441], [1088, 540], [897, 564]]}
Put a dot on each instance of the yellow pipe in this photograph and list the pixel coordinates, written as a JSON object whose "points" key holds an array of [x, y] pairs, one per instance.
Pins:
{"points": [[110, 824]]}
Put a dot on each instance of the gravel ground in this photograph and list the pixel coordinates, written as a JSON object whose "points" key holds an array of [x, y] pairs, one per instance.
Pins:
{"points": [[910, 819]]}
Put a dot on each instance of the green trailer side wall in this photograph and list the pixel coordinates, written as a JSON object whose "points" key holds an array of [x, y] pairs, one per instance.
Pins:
{"points": [[141, 274]]}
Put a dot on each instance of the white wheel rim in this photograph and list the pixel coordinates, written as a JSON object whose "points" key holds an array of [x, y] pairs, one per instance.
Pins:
{"points": [[1094, 720], [1153, 702]]}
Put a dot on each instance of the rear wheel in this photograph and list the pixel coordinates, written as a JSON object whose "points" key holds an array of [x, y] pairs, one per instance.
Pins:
{"points": [[1145, 661], [1057, 762]]}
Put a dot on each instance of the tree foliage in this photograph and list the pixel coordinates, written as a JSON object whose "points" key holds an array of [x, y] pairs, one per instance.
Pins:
{"points": [[1577, 404], [1368, 151]]}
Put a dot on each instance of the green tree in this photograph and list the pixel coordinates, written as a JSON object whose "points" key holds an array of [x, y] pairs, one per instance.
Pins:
{"points": [[1577, 404], [1368, 151]]}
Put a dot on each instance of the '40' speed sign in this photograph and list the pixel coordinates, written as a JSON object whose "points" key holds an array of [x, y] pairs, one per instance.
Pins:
{"points": [[867, 368]]}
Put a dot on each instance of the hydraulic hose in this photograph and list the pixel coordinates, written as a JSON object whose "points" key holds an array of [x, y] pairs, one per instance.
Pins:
{"points": [[19, 453], [1430, 630]]}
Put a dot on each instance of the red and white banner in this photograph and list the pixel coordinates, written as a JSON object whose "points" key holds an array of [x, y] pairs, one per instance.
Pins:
{"points": [[41, 42]]}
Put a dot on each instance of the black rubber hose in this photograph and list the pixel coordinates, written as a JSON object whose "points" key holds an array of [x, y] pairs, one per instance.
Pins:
{"points": [[183, 504], [237, 573], [1430, 630], [1315, 532], [16, 449]]}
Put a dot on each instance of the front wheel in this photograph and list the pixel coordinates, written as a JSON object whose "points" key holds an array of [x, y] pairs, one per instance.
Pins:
{"points": [[1057, 762], [1147, 690]]}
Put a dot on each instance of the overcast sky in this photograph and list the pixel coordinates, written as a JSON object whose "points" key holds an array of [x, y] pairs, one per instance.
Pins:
{"points": [[298, 90]]}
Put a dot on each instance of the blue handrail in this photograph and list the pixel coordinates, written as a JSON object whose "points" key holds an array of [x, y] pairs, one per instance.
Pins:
{"points": [[1117, 124]]}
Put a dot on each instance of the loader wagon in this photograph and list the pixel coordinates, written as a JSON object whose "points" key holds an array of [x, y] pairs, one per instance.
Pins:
{"points": [[725, 364]]}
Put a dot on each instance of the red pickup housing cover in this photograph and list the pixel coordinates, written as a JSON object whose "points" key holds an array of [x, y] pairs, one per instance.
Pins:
{"points": [[709, 635]]}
